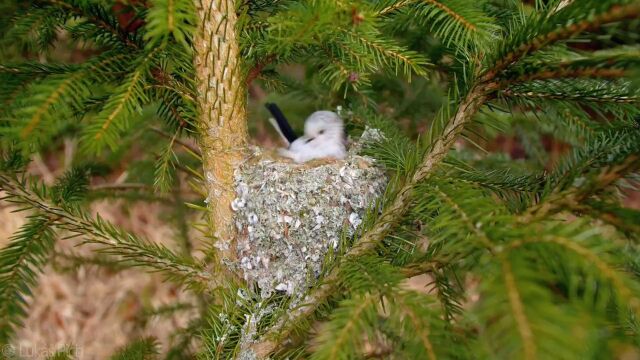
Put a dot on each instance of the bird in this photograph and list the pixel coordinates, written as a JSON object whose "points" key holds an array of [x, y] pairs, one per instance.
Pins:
{"points": [[281, 124], [323, 137]]}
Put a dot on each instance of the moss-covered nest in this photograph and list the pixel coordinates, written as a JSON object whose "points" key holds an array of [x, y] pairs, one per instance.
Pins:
{"points": [[288, 215]]}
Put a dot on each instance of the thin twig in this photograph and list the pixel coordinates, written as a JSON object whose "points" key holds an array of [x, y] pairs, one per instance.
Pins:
{"points": [[184, 144], [257, 69], [121, 186]]}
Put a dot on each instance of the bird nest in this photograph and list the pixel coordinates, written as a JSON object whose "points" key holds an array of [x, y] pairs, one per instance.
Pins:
{"points": [[289, 215]]}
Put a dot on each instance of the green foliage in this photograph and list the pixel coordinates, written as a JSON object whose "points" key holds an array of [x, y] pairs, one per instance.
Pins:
{"points": [[67, 353], [142, 349], [458, 24], [127, 99], [524, 251], [111, 240], [56, 100], [528, 33], [352, 323], [165, 168], [175, 18], [606, 149], [21, 261], [350, 39], [36, 28]]}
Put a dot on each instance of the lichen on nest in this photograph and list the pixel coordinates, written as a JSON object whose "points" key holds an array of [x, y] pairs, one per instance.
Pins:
{"points": [[288, 215]]}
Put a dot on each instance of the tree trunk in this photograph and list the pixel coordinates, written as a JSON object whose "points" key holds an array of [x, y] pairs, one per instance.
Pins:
{"points": [[221, 100]]}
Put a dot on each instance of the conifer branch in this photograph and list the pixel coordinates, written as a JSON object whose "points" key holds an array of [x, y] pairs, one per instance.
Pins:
{"points": [[472, 228], [456, 23], [145, 348], [121, 186], [572, 198], [97, 15], [568, 72], [570, 97], [422, 330], [451, 13], [34, 121], [608, 214], [612, 14], [435, 3], [182, 143], [20, 264], [389, 54], [71, 261], [113, 240], [395, 6], [517, 308], [102, 23], [36, 68], [63, 92], [592, 257], [125, 101], [348, 328], [419, 268], [170, 18]]}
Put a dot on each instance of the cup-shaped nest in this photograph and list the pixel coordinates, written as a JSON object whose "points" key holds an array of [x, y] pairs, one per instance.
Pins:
{"points": [[289, 215]]}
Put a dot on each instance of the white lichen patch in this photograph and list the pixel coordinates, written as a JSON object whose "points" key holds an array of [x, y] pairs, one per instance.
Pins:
{"points": [[288, 215]]}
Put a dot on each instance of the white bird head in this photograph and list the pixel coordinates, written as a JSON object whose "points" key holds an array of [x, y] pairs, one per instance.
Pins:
{"points": [[323, 138], [324, 125]]}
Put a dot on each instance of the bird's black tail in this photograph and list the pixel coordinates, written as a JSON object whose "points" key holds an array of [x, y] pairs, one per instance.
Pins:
{"points": [[282, 122]]}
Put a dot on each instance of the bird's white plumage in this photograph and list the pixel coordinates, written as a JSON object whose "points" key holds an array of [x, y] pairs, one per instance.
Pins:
{"points": [[323, 138]]}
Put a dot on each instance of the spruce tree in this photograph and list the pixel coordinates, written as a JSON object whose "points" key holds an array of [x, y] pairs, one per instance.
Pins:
{"points": [[533, 257]]}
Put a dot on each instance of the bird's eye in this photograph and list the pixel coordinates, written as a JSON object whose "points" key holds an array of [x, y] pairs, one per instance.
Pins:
{"points": [[321, 132]]}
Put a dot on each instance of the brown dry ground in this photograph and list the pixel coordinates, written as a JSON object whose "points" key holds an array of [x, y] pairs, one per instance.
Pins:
{"points": [[95, 309]]}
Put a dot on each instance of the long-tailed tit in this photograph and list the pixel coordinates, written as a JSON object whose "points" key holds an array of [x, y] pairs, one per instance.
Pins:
{"points": [[281, 124], [323, 136]]}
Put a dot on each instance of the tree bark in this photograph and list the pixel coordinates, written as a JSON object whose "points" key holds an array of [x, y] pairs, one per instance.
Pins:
{"points": [[221, 97]]}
